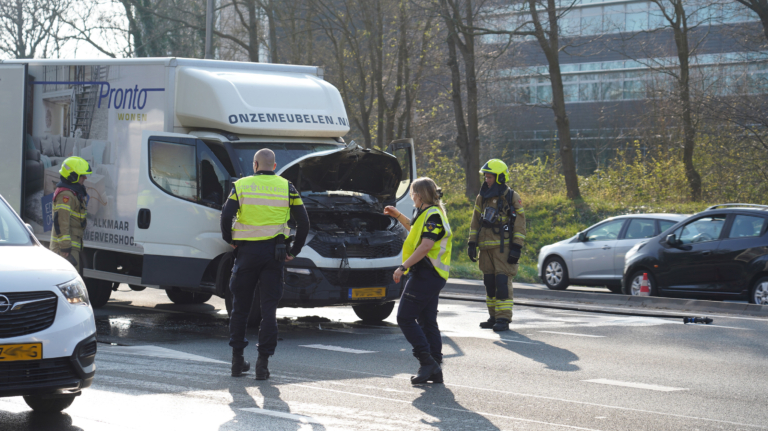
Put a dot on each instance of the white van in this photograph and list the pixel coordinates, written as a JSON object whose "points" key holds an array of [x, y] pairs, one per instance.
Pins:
{"points": [[167, 137]]}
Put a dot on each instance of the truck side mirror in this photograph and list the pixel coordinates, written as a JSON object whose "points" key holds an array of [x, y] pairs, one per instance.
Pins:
{"points": [[582, 237]]}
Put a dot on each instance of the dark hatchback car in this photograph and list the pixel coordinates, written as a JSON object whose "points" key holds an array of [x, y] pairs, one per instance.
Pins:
{"points": [[719, 253]]}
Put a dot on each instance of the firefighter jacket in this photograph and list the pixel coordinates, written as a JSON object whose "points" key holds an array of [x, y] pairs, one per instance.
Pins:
{"points": [[69, 220], [491, 236]]}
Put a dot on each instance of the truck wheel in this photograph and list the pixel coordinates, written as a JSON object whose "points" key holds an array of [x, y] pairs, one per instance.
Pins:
{"points": [[99, 291], [49, 405], [373, 313], [182, 297]]}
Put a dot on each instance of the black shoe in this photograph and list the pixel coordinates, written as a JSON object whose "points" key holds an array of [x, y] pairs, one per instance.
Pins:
{"points": [[501, 325], [488, 324], [239, 364], [429, 371], [262, 373]]}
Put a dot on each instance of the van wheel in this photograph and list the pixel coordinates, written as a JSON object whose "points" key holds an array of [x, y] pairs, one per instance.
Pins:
{"points": [[373, 313], [759, 292], [182, 297], [99, 291], [555, 274], [136, 287], [49, 405]]}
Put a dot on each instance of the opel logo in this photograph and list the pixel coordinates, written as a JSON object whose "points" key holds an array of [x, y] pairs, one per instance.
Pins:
{"points": [[5, 304]]}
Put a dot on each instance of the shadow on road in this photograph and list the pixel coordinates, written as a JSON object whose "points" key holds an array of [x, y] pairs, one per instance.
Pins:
{"points": [[439, 402], [38, 422], [553, 357]]}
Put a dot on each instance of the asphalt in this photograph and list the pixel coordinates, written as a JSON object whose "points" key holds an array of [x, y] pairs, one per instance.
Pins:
{"points": [[596, 300]]}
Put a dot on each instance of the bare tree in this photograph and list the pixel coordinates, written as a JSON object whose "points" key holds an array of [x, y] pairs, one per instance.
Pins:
{"points": [[31, 28], [760, 7]]}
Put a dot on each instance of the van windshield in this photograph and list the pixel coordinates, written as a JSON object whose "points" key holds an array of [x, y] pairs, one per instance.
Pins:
{"points": [[284, 153], [12, 231]]}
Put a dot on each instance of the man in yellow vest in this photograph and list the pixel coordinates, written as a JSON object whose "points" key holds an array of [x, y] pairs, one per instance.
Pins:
{"points": [[69, 211], [261, 205], [498, 231]]}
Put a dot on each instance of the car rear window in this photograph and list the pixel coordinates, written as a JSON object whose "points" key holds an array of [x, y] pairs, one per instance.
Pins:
{"points": [[746, 226]]}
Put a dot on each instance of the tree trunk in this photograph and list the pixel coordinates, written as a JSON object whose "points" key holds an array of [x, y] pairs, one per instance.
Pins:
{"points": [[462, 140], [253, 32], [133, 28], [273, 58]]}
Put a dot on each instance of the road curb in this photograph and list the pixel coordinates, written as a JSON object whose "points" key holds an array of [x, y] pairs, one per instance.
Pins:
{"points": [[474, 290]]}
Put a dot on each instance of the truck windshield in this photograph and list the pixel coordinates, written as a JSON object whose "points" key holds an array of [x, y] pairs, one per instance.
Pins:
{"points": [[284, 153]]}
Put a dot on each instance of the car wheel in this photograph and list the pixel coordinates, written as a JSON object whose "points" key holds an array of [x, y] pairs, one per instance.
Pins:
{"points": [[555, 274], [182, 297], [99, 291], [373, 313], [636, 279], [49, 405], [759, 293]]}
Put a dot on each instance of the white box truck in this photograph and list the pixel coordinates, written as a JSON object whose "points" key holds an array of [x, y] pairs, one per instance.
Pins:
{"points": [[167, 137]]}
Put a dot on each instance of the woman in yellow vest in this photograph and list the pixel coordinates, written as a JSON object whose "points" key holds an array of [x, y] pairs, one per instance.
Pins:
{"points": [[427, 257]]}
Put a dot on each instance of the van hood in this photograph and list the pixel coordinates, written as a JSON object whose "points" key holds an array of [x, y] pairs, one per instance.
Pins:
{"points": [[351, 168]]}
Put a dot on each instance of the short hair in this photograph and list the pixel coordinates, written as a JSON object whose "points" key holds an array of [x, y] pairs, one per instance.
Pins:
{"points": [[265, 158]]}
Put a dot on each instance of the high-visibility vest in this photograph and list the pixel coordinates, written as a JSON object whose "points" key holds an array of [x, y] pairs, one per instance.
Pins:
{"points": [[264, 208], [440, 253]]}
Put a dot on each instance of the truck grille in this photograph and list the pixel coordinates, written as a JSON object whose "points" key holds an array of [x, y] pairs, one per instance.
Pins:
{"points": [[31, 318], [387, 249], [44, 372], [359, 277]]}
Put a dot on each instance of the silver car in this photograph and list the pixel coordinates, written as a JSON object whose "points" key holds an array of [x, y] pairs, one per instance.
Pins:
{"points": [[595, 257]]}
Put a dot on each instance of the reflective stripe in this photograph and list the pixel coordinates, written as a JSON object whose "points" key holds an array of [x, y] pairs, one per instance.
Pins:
{"points": [[243, 231], [62, 207], [478, 209], [265, 202], [519, 235], [520, 210], [61, 238], [76, 245], [472, 233]]}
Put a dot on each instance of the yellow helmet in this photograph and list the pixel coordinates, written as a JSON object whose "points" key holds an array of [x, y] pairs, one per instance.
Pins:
{"points": [[73, 167], [496, 167]]}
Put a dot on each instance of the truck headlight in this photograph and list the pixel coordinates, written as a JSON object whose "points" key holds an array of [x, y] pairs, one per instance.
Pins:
{"points": [[75, 292]]}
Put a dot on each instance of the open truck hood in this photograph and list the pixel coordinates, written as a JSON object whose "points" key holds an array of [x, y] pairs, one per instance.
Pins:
{"points": [[351, 168]]}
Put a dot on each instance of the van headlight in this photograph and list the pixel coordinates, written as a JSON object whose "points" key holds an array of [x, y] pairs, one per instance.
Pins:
{"points": [[75, 292]]}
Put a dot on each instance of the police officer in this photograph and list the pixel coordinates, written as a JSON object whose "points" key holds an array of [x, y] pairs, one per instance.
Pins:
{"points": [[69, 210], [427, 256], [498, 231], [262, 205]]}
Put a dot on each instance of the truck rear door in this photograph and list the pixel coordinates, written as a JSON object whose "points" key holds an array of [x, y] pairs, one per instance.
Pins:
{"points": [[12, 124], [404, 151], [182, 186]]}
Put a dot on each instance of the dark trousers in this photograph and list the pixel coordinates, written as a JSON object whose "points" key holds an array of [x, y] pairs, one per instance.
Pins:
{"points": [[255, 264], [417, 313]]}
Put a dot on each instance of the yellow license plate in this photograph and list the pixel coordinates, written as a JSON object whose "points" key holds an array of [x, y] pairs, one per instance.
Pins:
{"points": [[21, 352], [368, 293]]}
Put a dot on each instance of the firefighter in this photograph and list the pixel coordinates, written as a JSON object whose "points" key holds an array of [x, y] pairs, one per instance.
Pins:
{"points": [[261, 205], [70, 210], [427, 256], [498, 232]]}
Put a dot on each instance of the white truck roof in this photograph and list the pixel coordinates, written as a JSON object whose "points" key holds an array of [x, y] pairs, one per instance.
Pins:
{"points": [[243, 98]]}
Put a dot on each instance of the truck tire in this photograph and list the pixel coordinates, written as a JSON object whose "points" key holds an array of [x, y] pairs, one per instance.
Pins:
{"points": [[373, 313], [49, 405], [99, 291], [182, 297]]}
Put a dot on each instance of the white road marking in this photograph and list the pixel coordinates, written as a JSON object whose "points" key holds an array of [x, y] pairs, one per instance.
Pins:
{"points": [[635, 385], [575, 335], [441, 407], [565, 400], [337, 348], [292, 416], [155, 352]]}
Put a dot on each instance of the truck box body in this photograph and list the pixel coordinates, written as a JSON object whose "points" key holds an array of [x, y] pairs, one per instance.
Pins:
{"points": [[166, 138]]}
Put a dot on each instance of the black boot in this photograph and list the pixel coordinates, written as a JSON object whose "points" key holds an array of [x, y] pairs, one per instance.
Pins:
{"points": [[239, 364], [262, 373], [429, 371], [501, 325], [488, 324]]}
